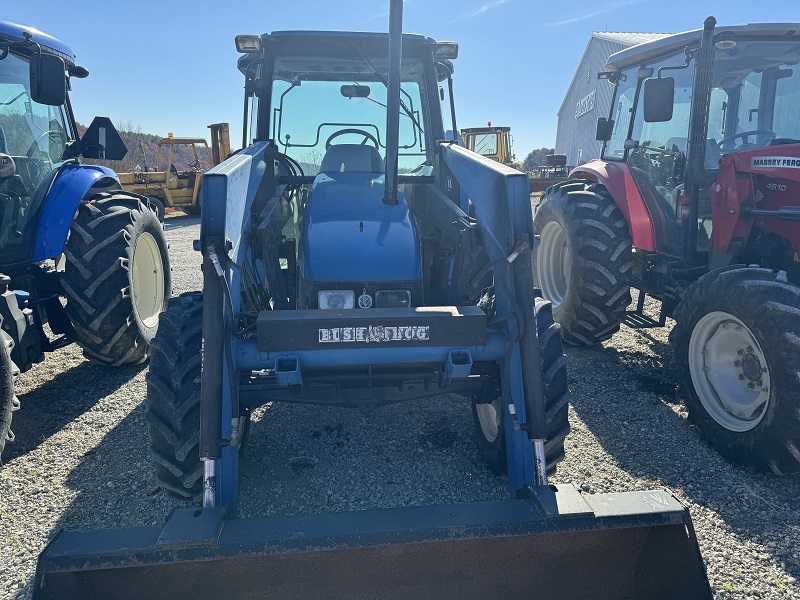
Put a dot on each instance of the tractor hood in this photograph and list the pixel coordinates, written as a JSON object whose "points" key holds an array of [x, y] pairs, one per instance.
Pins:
{"points": [[349, 234]]}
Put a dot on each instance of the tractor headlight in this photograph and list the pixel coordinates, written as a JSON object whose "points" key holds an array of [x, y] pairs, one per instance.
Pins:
{"points": [[393, 298], [336, 299]]}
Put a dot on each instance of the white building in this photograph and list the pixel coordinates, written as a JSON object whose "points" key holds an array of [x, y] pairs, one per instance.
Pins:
{"points": [[589, 98]]}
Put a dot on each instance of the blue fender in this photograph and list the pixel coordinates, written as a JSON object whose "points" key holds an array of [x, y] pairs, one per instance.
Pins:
{"points": [[69, 187]]}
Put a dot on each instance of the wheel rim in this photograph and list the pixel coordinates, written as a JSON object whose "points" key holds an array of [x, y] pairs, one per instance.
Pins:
{"points": [[552, 263], [729, 371], [147, 274], [489, 418]]}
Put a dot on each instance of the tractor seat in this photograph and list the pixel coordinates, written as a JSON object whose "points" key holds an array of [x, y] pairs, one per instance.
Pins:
{"points": [[352, 158]]}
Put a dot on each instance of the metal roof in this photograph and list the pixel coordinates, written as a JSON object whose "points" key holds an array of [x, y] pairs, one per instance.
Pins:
{"points": [[11, 31], [619, 37], [628, 38], [647, 51]]}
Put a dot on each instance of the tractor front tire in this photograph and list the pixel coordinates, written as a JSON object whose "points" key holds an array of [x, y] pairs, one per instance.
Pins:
{"points": [[116, 278], [173, 399], [8, 400], [489, 418], [584, 261], [736, 347]]}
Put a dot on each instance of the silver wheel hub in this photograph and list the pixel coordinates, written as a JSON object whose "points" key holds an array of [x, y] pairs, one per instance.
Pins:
{"points": [[489, 418], [729, 371], [147, 280], [552, 263]]}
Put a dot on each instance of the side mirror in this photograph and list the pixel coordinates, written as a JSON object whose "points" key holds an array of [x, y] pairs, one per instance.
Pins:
{"points": [[48, 79], [605, 127], [659, 99], [102, 141]]}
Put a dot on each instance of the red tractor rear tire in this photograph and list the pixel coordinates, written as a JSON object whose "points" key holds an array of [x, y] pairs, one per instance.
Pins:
{"points": [[584, 261]]}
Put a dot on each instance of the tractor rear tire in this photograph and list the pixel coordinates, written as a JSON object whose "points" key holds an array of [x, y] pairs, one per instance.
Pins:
{"points": [[173, 399], [489, 425], [8, 400], [116, 278], [736, 347], [584, 262]]}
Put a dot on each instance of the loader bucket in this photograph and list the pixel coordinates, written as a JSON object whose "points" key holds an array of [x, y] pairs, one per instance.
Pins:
{"points": [[554, 544]]}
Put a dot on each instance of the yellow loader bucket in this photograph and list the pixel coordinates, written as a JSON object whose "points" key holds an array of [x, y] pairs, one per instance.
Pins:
{"points": [[556, 543]]}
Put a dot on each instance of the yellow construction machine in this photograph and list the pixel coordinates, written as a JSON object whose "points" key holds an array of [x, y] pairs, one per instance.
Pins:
{"points": [[492, 142], [171, 187]]}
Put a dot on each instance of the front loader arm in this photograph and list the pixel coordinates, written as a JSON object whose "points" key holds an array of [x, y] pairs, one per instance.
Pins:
{"points": [[502, 204]]}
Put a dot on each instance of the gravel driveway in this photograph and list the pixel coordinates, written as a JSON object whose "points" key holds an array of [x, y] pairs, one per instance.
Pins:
{"points": [[80, 459]]}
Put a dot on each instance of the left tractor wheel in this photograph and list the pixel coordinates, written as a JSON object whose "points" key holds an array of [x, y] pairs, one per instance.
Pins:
{"points": [[736, 349], [116, 278], [489, 418]]}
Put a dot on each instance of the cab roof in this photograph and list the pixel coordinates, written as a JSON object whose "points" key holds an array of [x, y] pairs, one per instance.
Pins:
{"points": [[13, 32], [309, 43], [645, 53]]}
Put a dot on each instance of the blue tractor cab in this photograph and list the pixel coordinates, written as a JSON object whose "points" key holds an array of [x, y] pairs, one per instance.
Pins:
{"points": [[67, 231]]}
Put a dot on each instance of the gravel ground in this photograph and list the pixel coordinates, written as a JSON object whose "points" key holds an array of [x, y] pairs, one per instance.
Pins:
{"points": [[80, 459]]}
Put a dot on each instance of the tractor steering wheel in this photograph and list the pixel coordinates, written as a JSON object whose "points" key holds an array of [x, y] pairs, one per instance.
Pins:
{"points": [[368, 137], [745, 135]]}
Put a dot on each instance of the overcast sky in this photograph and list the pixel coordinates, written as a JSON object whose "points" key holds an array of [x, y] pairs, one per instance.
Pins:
{"points": [[171, 66]]}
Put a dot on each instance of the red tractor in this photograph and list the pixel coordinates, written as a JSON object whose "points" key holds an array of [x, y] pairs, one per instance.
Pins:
{"points": [[695, 202]]}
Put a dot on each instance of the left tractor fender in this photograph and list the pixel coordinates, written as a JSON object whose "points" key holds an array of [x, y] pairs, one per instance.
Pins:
{"points": [[71, 185], [617, 179]]}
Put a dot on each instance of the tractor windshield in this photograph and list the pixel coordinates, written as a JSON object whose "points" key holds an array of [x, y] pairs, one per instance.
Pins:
{"points": [[756, 94], [316, 105], [35, 136], [485, 144]]}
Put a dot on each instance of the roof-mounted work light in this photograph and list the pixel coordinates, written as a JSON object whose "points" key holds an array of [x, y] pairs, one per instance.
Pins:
{"points": [[447, 50], [248, 43]]}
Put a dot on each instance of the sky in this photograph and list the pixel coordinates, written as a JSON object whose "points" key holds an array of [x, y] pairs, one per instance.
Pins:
{"points": [[171, 66]]}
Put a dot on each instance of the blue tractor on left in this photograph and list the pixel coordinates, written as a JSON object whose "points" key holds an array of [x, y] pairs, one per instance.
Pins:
{"points": [[76, 253]]}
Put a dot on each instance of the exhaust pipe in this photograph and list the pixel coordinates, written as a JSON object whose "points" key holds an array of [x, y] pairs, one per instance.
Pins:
{"points": [[393, 100]]}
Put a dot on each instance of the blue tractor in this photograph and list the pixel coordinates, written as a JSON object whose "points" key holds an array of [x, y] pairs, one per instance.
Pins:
{"points": [[341, 266], [67, 231]]}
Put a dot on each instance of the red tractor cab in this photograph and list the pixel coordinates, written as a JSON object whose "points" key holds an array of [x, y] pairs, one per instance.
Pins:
{"points": [[695, 202]]}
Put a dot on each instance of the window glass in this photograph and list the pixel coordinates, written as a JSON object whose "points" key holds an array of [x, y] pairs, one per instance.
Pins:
{"points": [[786, 120], [485, 143], [623, 110], [35, 136], [307, 117]]}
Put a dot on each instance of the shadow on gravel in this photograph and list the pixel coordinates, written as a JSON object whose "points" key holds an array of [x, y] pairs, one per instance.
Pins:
{"points": [[627, 398], [47, 408], [114, 484]]}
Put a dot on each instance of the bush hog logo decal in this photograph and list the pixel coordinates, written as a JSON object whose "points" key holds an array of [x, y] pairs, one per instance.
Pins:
{"points": [[775, 162], [378, 334]]}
